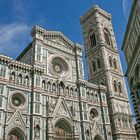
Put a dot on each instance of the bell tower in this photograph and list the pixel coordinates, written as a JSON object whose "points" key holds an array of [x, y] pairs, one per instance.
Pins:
{"points": [[104, 68]]}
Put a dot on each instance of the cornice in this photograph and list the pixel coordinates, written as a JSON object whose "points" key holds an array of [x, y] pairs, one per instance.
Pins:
{"points": [[93, 10], [51, 34]]}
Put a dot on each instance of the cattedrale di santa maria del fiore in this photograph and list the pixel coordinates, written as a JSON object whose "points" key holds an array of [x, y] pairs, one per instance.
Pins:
{"points": [[44, 95]]}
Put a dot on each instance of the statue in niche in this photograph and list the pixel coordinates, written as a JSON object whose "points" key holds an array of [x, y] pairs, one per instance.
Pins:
{"points": [[12, 77], [61, 89], [71, 92], [67, 91], [51, 105], [48, 86], [26, 81], [37, 132]]}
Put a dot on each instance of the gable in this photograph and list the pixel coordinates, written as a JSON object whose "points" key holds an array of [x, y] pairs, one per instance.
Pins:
{"points": [[62, 110], [59, 39]]}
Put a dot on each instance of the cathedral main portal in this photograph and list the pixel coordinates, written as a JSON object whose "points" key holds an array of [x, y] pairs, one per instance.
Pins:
{"points": [[63, 131], [16, 134]]}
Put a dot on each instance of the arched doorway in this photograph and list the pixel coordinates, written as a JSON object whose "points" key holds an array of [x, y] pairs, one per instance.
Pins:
{"points": [[63, 130], [16, 134], [98, 137]]}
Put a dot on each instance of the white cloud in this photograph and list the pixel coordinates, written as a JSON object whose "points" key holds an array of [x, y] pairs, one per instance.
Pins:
{"points": [[125, 4], [13, 38]]}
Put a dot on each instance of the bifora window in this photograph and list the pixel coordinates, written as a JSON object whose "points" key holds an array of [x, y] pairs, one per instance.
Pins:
{"points": [[107, 37], [92, 40]]}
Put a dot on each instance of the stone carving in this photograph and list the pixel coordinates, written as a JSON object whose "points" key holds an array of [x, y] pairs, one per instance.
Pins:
{"points": [[51, 105]]}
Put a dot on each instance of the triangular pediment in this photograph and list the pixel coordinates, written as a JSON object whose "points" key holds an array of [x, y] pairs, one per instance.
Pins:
{"points": [[59, 38], [17, 121], [97, 128], [62, 109]]}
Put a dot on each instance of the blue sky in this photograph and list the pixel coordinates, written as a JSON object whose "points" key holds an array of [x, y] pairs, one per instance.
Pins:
{"points": [[17, 17]]}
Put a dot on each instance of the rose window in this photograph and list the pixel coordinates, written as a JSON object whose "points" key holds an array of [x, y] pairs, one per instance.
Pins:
{"points": [[59, 66], [94, 113], [18, 100]]}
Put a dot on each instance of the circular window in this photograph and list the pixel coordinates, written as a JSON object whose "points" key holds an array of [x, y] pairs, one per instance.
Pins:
{"points": [[18, 100], [59, 66], [94, 113]]}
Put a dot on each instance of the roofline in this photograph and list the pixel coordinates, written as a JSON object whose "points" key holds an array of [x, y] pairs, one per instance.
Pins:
{"points": [[24, 51], [92, 10]]}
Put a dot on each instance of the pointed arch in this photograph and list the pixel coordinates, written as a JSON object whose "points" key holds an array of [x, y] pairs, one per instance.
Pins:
{"points": [[119, 87], [16, 133], [43, 84], [49, 86], [115, 63], [37, 131], [110, 61], [54, 87], [115, 86], [107, 36], [19, 79], [98, 137], [12, 77], [67, 90], [26, 80], [98, 62], [71, 91], [63, 129], [92, 38], [61, 87], [94, 65]]}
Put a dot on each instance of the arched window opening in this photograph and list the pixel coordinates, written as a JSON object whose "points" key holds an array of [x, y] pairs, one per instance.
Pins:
{"points": [[87, 132], [19, 79], [115, 86], [12, 77], [120, 87], [93, 65], [107, 37], [92, 40], [37, 132], [115, 63], [110, 61], [43, 84], [98, 63]]}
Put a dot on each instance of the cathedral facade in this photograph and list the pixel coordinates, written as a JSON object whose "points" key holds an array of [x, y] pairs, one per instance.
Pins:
{"points": [[43, 94]]}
